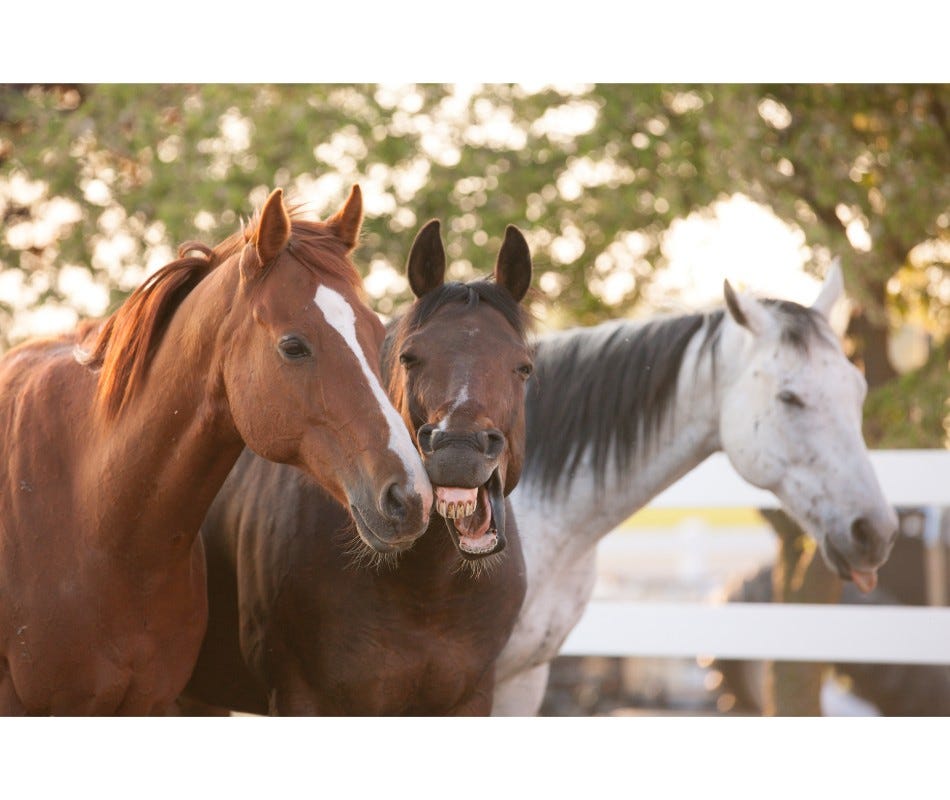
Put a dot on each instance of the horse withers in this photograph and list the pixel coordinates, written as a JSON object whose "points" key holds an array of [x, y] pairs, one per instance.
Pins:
{"points": [[115, 441], [618, 412], [303, 619]]}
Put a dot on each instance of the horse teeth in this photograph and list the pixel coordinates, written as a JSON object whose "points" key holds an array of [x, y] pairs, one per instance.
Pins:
{"points": [[455, 509]]}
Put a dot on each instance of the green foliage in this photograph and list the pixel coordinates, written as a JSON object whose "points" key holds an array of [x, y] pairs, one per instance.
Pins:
{"points": [[912, 410], [144, 168]]}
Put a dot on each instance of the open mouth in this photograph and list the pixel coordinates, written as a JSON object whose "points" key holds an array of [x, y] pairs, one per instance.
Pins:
{"points": [[475, 517], [865, 580]]}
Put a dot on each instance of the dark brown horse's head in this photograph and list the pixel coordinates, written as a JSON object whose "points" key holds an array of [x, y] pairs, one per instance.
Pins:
{"points": [[457, 364], [301, 372]]}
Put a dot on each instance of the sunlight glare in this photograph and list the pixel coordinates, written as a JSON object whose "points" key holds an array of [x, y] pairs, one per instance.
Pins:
{"points": [[566, 122], [76, 284], [382, 280], [317, 195], [736, 239], [49, 319], [775, 113], [97, 192], [568, 247], [19, 189]]}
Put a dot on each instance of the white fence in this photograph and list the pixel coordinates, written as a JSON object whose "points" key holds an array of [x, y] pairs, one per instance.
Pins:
{"points": [[800, 632]]}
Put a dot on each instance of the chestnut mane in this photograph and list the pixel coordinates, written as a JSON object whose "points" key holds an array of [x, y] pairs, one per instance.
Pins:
{"points": [[127, 341]]}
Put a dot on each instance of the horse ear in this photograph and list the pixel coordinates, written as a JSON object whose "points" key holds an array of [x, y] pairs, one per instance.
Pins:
{"points": [[831, 290], [513, 268], [745, 310], [346, 223], [426, 265], [273, 230]]}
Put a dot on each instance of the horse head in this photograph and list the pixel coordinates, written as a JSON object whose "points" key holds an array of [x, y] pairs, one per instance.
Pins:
{"points": [[791, 422], [458, 363], [300, 369]]}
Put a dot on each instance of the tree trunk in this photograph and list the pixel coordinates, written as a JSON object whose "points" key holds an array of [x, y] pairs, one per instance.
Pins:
{"points": [[871, 340]]}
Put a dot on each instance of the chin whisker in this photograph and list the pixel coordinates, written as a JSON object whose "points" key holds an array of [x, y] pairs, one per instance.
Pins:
{"points": [[361, 556], [479, 567]]}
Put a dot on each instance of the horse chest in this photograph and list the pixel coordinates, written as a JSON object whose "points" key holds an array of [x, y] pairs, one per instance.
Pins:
{"points": [[99, 642], [419, 662], [558, 591]]}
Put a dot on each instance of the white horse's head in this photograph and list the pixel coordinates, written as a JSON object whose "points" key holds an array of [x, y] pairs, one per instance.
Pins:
{"points": [[791, 423]]}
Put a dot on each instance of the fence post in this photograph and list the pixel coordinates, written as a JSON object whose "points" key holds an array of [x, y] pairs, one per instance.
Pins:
{"points": [[793, 688]]}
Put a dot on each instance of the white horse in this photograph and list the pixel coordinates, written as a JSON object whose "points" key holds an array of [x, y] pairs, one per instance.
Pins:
{"points": [[618, 412]]}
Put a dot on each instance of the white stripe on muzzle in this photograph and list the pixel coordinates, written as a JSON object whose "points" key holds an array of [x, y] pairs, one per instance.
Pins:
{"points": [[341, 318]]}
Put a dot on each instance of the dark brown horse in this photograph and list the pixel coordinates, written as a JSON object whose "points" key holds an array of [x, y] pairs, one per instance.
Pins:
{"points": [[303, 622], [112, 455]]}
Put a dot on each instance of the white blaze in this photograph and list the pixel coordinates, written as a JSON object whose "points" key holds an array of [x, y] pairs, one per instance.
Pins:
{"points": [[462, 397], [341, 318]]}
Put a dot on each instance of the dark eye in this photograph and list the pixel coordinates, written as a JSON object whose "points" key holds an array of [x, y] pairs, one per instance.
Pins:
{"points": [[408, 360], [293, 348], [791, 399], [525, 370]]}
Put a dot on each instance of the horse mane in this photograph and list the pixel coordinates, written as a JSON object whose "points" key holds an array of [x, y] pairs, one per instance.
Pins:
{"points": [[801, 326], [126, 343], [466, 295], [611, 387]]}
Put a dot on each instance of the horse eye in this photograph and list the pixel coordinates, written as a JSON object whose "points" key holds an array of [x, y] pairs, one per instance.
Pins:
{"points": [[791, 399], [408, 360], [525, 370], [292, 347]]}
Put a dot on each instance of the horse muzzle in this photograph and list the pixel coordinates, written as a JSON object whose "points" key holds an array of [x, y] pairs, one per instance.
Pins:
{"points": [[857, 553], [392, 521]]}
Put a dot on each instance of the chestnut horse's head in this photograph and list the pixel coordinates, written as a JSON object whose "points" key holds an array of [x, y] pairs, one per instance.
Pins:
{"points": [[300, 364], [457, 366]]}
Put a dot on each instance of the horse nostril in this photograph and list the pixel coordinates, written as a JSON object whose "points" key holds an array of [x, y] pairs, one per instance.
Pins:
{"points": [[492, 443], [863, 534], [395, 503], [426, 438]]}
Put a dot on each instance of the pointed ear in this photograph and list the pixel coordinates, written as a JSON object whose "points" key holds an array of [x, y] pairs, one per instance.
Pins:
{"points": [[745, 310], [426, 265], [831, 291], [346, 223], [513, 268], [273, 230]]}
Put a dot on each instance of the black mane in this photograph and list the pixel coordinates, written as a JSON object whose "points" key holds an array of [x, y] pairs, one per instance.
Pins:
{"points": [[469, 294], [611, 387]]}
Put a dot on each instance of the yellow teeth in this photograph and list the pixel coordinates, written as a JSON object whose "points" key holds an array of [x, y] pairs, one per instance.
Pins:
{"points": [[455, 510]]}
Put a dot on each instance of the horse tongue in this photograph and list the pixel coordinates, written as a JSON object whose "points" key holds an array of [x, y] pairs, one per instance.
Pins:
{"points": [[865, 581]]}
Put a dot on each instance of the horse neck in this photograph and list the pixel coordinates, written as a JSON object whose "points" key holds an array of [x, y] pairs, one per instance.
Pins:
{"points": [[584, 510], [173, 444]]}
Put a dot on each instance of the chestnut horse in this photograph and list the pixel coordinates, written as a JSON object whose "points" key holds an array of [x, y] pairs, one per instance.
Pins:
{"points": [[113, 456], [301, 621]]}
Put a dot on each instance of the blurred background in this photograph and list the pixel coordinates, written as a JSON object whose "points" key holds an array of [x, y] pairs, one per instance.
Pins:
{"points": [[634, 198]]}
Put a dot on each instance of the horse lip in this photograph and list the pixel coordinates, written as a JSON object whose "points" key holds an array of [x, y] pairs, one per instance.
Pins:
{"points": [[370, 537], [496, 499], [838, 561]]}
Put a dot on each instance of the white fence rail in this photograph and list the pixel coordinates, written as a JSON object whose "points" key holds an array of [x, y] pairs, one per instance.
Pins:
{"points": [[887, 634]]}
